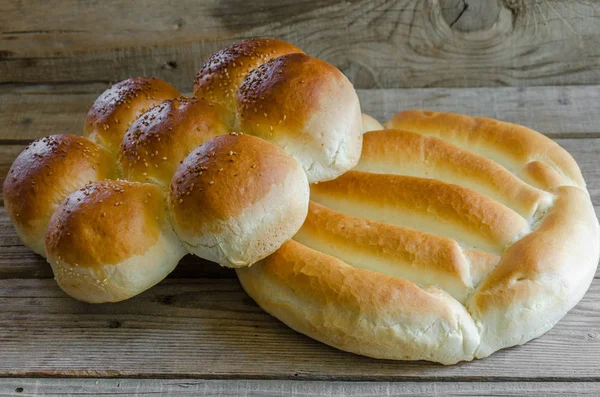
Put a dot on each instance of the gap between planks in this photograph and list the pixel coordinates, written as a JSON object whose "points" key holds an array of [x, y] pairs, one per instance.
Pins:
{"points": [[250, 388]]}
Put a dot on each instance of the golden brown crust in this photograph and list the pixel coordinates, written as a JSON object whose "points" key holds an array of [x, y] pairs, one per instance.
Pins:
{"points": [[540, 277], [284, 92], [546, 264], [223, 73], [160, 139], [309, 108], [408, 153], [44, 174], [117, 107], [359, 310], [541, 175], [426, 259], [237, 198], [326, 279], [511, 145], [536, 253], [426, 204], [82, 230], [224, 176]]}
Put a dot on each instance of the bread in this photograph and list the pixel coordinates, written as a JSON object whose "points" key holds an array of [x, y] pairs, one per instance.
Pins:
{"points": [[120, 105], [306, 106], [309, 108], [237, 198], [142, 130], [454, 237], [111, 240], [220, 77], [159, 140], [46, 172], [370, 124]]}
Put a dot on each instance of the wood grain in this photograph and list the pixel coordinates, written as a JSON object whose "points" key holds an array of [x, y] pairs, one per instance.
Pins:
{"points": [[380, 43], [255, 388], [31, 112], [209, 328], [555, 111]]}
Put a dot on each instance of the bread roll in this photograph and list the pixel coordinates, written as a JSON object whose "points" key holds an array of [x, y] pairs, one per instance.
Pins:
{"points": [[237, 198], [44, 174], [307, 107], [117, 107], [159, 140], [111, 240], [223, 73]]}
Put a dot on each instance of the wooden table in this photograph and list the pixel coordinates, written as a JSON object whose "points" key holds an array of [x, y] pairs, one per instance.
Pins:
{"points": [[197, 333]]}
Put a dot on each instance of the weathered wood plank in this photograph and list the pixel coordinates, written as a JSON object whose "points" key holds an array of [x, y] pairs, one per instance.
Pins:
{"points": [[381, 43], [30, 112], [256, 388], [8, 154], [554, 111], [18, 261], [206, 328]]}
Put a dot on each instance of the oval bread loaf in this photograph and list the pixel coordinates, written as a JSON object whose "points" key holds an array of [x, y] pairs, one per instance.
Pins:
{"points": [[454, 237]]}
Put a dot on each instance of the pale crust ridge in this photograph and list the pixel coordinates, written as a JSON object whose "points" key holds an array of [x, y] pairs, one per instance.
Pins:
{"points": [[408, 153], [472, 219], [423, 258]]}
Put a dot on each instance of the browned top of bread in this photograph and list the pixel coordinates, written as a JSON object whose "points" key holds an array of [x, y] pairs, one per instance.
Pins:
{"points": [[159, 140], [224, 176], [426, 204], [48, 170], [222, 74], [424, 258], [511, 145], [280, 96], [117, 107], [409, 153], [83, 227], [309, 108], [330, 282]]}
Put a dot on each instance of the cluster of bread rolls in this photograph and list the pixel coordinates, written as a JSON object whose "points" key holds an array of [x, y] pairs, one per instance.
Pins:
{"points": [[224, 174]]}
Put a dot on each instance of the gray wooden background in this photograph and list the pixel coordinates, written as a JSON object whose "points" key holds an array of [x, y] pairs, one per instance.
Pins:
{"points": [[534, 62]]}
